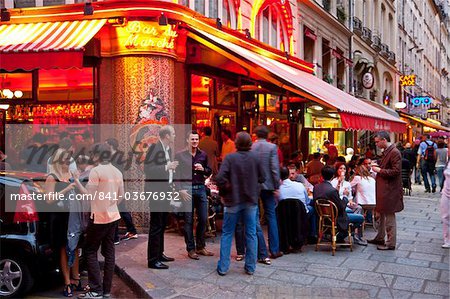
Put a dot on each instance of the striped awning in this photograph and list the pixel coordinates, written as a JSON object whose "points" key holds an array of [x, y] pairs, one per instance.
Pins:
{"points": [[45, 45]]}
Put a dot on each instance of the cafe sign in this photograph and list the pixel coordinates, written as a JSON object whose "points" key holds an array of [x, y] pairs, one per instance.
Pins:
{"points": [[408, 80], [144, 37]]}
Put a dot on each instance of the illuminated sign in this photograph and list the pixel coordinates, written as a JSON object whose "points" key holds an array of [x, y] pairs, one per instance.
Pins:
{"points": [[142, 37], [408, 80], [416, 101]]}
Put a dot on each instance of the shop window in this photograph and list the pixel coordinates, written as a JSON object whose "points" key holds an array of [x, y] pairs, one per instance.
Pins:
{"points": [[16, 86], [269, 28], [202, 90], [226, 93], [66, 85]]}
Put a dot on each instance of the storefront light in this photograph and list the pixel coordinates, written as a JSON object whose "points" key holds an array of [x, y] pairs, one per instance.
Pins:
{"points": [[317, 107], [18, 94], [205, 103], [400, 105], [334, 115], [4, 106]]}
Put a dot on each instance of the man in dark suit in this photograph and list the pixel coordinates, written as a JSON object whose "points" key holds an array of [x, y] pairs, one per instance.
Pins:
{"points": [[325, 190], [159, 170]]}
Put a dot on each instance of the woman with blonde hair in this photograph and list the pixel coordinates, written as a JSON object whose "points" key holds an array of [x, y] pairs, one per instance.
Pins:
{"points": [[57, 186]]}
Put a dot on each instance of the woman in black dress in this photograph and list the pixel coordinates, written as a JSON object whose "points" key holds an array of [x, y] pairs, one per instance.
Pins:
{"points": [[57, 182]]}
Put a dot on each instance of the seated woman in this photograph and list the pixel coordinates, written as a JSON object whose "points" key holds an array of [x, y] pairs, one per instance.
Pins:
{"points": [[354, 211]]}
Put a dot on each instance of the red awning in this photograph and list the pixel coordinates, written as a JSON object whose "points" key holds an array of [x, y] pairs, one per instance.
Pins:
{"points": [[355, 114], [45, 45]]}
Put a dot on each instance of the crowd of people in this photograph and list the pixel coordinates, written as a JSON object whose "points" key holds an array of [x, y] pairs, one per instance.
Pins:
{"points": [[257, 185]]}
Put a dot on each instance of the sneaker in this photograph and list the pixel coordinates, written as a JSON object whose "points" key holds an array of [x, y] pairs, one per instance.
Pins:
{"points": [[129, 236], [240, 257], [446, 245], [357, 240], [116, 242], [90, 295]]}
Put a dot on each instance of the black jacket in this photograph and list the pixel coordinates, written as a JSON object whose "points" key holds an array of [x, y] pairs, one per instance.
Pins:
{"points": [[156, 175], [326, 191], [239, 177], [292, 223]]}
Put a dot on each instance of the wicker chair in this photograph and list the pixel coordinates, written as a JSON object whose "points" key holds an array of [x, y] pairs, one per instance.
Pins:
{"points": [[328, 214]]}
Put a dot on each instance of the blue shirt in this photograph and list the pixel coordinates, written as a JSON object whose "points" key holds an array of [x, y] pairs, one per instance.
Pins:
{"points": [[423, 146], [291, 189]]}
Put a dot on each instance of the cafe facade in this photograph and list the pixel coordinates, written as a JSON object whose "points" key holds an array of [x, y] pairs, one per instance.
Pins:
{"points": [[146, 62]]}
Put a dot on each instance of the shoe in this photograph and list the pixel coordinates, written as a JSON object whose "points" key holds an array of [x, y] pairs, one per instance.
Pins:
{"points": [[385, 247], [427, 191], [239, 257], [157, 265], [116, 242], [433, 190], [90, 295], [276, 255], [220, 273], [204, 252], [265, 261], [129, 236], [357, 240], [376, 242], [248, 272], [165, 258], [107, 295], [446, 245], [77, 286], [68, 291], [193, 255]]}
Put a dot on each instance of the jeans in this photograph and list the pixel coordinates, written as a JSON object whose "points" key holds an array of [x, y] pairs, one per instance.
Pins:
{"points": [[312, 219], [200, 203], [268, 201], [444, 205], [96, 235], [230, 218], [428, 168], [440, 175], [417, 179], [240, 239]]}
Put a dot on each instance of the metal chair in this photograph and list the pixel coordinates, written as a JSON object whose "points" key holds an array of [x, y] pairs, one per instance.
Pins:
{"points": [[367, 208], [328, 214]]}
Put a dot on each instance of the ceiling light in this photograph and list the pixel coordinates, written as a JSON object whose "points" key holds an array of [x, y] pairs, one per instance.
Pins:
{"points": [[18, 94], [335, 115], [317, 107], [4, 106], [205, 103]]}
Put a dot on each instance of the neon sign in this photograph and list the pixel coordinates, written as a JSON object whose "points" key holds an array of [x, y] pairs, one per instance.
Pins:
{"points": [[408, 80], [144, 37], [147, 35], [416, 101]]}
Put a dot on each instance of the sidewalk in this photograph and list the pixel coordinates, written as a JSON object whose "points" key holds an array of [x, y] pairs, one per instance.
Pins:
{"points": [[419, 268]]}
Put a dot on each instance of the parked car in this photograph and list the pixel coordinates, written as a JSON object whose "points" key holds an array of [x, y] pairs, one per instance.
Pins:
{"points": [[25, 253]]}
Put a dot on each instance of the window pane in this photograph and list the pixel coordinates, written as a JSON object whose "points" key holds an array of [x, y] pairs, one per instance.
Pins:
{"points": [[200, 6], [265, 29], [16, 85], [213, 8], [273, 30], [72, 84]]}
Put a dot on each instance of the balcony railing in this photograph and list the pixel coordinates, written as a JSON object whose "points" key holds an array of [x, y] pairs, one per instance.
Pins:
{"points": [[341, 15], [391, 56], [376, 42], [367, 34], [326, 5], [384, 50], [357, 26]]}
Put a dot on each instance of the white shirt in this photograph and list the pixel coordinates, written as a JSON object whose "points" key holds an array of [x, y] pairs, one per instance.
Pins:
{"points": [[291, 189], [344, 185], [166, 151], [364, 190]]}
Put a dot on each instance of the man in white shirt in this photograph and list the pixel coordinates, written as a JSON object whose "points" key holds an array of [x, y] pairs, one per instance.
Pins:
{"points": [[292, 189], [106, 186]]}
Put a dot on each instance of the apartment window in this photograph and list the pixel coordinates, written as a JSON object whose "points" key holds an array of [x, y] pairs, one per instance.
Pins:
{"points": [[222, 9], [270, 29], [309, 41]]}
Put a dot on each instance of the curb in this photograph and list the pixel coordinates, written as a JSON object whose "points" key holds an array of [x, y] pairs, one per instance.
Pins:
{"points": [[137, 289]]}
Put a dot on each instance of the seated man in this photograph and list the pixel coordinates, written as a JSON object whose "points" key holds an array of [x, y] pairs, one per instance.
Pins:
{"points": [[293, 189], [325, 190]]}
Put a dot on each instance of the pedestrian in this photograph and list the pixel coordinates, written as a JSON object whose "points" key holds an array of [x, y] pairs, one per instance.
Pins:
{"points": [[445, 205], [106, 185], [238, 179], [441, 162], [331, 151], [389, 192], [118, 161], [192, 171], [427, 157], [416, 164], [159, 169], [267, 154], [228, 146], [211, 148]]}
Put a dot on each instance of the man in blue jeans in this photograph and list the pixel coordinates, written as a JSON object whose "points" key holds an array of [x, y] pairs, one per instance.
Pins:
{"points": [[238, 181], [267, 154], [190, 180], [427, 164]]}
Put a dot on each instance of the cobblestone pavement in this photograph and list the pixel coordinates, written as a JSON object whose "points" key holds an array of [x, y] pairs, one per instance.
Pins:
{"points": [[419, 268]]}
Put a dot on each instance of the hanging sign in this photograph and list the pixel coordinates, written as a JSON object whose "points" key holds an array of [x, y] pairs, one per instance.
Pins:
{"points": [[408, 80], [416, 101], [368, 80]]}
